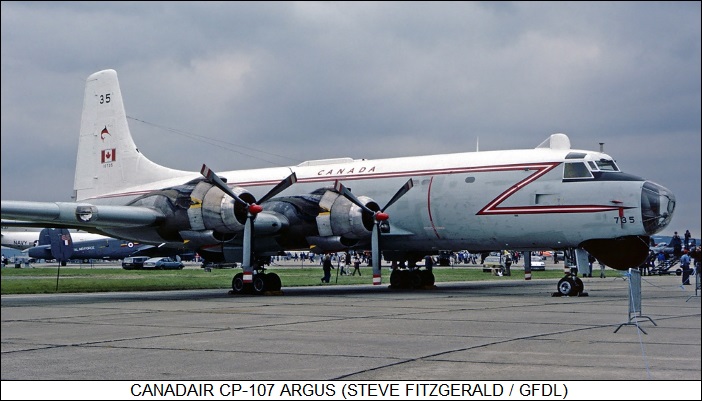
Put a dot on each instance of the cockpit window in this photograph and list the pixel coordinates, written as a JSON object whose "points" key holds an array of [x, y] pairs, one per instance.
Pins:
{"points": [[576, 170], [607, 165]]}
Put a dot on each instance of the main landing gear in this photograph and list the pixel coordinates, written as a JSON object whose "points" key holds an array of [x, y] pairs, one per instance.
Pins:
{"points": [[411, 278], [262, 282]]}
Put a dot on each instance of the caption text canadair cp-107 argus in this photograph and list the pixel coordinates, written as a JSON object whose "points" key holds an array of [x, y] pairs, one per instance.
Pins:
{"points": [[549, 197]]}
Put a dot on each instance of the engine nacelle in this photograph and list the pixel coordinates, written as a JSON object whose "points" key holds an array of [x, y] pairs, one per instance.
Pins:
{"points": [[341, 217], [197, 239], [212, 209], [330, 244]]}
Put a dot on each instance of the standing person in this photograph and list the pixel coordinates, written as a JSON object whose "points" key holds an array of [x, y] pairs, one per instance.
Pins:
{"points": [[676, 243], [508, 263], [687, 240], [645, 267], [483, 255], [695, 255], [661, 258], [343, 263], [326, 268], [685, 265], [356, 265], [428, 262]]}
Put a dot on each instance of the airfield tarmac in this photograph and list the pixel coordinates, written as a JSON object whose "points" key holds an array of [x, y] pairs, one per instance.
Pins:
{"points": [[490, 330]]}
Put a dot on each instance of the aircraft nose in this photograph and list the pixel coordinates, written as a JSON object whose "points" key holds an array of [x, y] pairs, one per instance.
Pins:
{"points": [[657, 206]]}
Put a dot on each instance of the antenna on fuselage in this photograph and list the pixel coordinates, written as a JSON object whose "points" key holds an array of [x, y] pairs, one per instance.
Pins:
{"points": [[601, 147], [477, 144]]}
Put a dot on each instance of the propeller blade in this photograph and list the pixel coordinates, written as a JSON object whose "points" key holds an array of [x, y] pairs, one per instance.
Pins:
{"points": [[400, 193], [291, 179], [339, 187], [247, 245], [375, 255], [214, 179], [380, 216]]}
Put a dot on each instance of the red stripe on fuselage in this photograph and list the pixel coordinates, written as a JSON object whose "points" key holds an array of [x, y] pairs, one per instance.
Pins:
{"points": [[431, 220], [492, 208]]}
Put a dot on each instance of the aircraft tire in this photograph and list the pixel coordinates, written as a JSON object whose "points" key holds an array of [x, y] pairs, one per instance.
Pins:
{"points": [[396, 279], [273, 282], [566, 286], [259, 284], [238, 283], [579, 285], [415, 279], [428, 278]]}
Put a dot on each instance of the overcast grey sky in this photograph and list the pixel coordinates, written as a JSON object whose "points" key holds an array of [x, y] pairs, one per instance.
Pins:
{"points": [[245, 85]]}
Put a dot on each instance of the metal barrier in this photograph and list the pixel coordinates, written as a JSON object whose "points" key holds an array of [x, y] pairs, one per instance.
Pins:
{"points": [[635, 301], [697, 284]]}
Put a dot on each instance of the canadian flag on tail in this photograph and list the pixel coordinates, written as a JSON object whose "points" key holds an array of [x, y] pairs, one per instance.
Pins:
{"points": [[109, 155]]}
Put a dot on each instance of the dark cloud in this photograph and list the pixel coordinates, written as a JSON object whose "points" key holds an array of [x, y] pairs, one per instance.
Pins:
{"points": [[255, 84]]}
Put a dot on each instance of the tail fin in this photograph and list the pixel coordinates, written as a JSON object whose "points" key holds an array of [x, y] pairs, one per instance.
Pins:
{"points": [[44, 237], [108, 160]]}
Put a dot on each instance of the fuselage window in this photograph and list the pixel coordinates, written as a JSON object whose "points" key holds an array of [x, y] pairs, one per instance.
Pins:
{"points": [[607, 165], [576, 170]]}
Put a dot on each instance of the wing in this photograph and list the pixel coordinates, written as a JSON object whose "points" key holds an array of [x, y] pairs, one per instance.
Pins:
{"points": [[78, 215]]}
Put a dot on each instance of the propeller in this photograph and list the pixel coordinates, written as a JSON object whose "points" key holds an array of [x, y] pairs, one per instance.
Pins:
{"points": [[252, 209], [380, 218]]}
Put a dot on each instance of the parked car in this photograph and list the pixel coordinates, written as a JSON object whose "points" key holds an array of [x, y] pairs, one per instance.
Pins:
{"points": [[493, 261], [134, 262], [537, 262], [163, 263]]}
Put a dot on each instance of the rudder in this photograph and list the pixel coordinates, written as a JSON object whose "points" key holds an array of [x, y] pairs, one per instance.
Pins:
{"points": [[108, 161]]}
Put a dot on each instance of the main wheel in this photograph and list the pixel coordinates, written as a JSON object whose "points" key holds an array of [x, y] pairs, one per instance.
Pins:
{"points": [[259, 283], [273, 282], [238, 283], [396, 279], [415, 279], [579, 286], [428, 278], [566, 286]]}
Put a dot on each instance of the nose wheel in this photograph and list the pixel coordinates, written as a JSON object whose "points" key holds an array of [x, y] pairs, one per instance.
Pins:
{"points": [[570, 286]]}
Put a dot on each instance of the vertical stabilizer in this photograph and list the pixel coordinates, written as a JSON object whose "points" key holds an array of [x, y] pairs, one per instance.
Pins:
{"points": [[108, 160]]}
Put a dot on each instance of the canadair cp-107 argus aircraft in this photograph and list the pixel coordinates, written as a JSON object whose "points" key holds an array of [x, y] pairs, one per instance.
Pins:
{"points": [[549, 197]]}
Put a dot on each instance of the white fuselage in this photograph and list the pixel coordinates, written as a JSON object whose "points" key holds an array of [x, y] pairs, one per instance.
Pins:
{"points": [[515, 199]]}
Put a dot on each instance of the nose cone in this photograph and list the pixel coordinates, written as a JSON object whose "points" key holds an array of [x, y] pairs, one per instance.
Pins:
{"points": [[657, 206]]}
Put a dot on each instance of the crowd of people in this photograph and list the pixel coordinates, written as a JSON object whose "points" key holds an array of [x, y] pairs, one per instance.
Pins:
{"points": [[686, 252]]}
